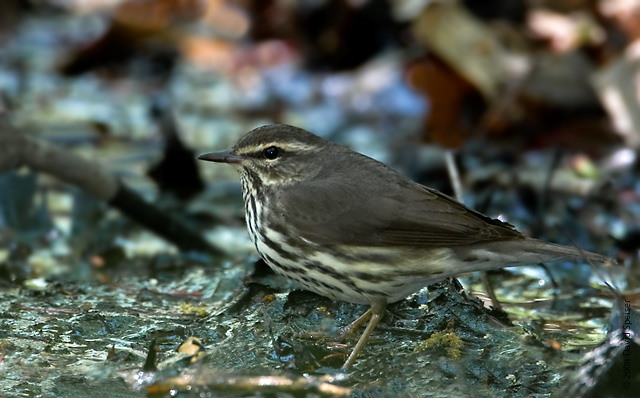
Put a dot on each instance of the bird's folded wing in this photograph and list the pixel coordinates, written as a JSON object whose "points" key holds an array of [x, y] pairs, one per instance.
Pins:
{"points": [[328, 211]]}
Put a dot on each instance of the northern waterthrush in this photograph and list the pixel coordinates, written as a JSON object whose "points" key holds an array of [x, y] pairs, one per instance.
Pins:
{"points": [[348, 227]]}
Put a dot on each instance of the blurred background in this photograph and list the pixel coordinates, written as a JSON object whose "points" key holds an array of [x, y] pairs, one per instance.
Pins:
{"points": [[527, 110]]}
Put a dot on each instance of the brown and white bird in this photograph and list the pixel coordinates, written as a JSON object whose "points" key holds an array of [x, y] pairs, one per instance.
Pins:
{"points": [[348, 227]]}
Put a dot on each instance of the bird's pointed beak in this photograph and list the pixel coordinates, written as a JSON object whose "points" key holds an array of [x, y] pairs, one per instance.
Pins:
{"points": [[222, 157]]}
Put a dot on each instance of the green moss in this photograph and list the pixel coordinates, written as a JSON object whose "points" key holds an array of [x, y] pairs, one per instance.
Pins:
{"points": [[188, 308], [447, 339]]}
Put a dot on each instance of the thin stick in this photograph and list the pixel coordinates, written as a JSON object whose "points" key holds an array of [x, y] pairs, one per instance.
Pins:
{"points": [[452, 169], [454, 176], [17, 149]]}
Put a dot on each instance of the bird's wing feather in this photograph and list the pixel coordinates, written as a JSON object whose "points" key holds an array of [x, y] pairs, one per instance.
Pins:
{"points": [[400, 213]]}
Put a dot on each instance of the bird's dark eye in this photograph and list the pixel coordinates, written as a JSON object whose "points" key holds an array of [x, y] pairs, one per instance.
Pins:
{"points": [[271, 153]]}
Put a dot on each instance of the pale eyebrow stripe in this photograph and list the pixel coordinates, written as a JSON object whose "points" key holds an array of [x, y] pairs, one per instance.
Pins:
{"points": [[285, 146]]}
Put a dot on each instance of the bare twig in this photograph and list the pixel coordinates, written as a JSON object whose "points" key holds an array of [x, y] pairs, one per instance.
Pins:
{"points": [[18, 149], [454, 175], [253, 384], [452, 169]]}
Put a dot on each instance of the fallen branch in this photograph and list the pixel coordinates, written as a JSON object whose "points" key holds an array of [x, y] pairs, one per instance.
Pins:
{"points": [[231, 383], [18, 149]]}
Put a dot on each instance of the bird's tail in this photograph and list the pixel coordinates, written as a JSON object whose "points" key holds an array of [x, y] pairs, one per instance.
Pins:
{"points": [[531, 251], [487, 256]]}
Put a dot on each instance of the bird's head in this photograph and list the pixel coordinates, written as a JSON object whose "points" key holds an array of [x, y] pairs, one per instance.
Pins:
{"points": [[276, 154]]}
